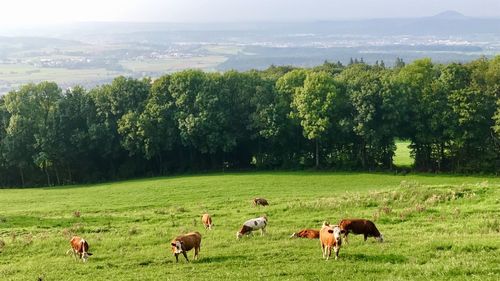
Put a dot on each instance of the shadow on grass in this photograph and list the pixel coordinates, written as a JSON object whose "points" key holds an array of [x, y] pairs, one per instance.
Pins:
{"points": [[220, 259], [217, 259], [391, 258]]}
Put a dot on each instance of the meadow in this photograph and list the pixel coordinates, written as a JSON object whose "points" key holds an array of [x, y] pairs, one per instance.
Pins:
{"points": [[436, 227]]}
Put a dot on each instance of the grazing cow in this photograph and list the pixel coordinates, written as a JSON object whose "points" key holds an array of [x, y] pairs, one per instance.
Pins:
{"points": [[329, 236], [251, 225], [183, 243], [306, 233], [360, 226], [260, 201], [80, 248], [207, 221]]}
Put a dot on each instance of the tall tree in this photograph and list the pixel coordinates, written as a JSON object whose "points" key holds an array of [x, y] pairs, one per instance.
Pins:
{"points": [[314, 104], [414, 82]]}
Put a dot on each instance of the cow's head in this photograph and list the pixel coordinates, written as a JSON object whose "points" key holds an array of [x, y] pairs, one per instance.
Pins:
{"points": [[239, 235], [294, 235], [85, 256], [177, 247], [380, 238], [336, 233]]}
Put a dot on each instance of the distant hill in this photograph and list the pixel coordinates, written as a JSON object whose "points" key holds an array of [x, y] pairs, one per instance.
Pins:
{"points": [[450, 15], [446, 23]]}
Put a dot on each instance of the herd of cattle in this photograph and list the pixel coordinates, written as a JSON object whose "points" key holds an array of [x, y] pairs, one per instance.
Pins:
{"points": [[329, 235]]}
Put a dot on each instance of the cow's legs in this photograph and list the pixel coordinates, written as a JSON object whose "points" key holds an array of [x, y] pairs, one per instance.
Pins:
{"points": [[185, 256], [345, 237], [262, 231], [323, 250], [196, 251], [75, 254], [328, 252], [336, 249], [366, 237]]}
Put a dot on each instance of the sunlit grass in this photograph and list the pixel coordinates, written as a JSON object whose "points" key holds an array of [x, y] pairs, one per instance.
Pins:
{"points": [[436, 227], [403, 158]]}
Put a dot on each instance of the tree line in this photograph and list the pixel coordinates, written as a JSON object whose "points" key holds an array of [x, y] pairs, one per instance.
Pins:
{"points": [[330, 116]]}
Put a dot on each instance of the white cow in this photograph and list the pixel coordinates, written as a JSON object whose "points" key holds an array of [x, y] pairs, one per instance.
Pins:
{"points": [[251, 225]]}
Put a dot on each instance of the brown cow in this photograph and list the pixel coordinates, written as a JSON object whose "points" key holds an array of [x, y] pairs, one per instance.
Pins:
{"points": [[306, 233], [360, 226], [80, 248], [206, 219], [329, 236], [183, 243], [260, 201]]}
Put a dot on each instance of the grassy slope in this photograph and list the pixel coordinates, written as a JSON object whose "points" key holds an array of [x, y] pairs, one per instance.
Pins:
{"points": [[436, 227]]}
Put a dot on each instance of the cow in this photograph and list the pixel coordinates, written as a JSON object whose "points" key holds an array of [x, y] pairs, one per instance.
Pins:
{"points": [[329, 237], [251, 225], [206, 219], [260, 201], [306, 233], [360, 226], [80, 248], [183, 243]]}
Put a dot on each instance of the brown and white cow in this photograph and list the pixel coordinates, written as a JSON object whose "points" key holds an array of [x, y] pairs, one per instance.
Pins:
{"points": [[80, 248], [329, 237], [206, 219], [260, 202], [183, 243], [306, 233], [251, 225], [360, 226]]}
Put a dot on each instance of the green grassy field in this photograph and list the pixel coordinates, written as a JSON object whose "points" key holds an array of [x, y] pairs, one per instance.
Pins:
{"points": [[435, 227]]}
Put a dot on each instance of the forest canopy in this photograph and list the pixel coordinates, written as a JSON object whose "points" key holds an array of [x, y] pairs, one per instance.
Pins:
{"points": [[330, 116]]}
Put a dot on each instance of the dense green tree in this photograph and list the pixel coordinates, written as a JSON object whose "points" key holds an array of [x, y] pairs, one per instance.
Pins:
{"points": [[475, 105], [158, 127], [314, 104], [76, 118], [30, 137], [415, 82], [374, 114], [114, 102]]}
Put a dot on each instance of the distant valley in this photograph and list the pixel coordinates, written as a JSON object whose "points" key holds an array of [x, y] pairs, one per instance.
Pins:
{"points": [[90, 54]]}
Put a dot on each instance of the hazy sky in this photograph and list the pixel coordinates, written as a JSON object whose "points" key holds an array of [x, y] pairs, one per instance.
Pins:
{"points": [[16, 12]]}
